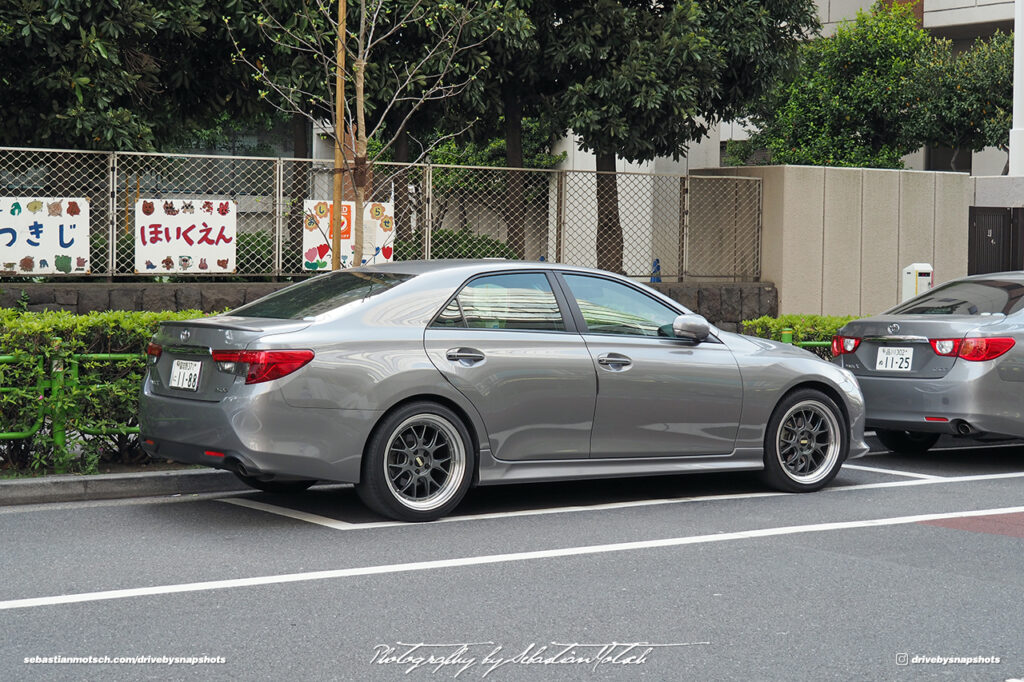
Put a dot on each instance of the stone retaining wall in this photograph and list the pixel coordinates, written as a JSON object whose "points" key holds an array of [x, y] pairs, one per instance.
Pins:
{"points": [[723, 304]]}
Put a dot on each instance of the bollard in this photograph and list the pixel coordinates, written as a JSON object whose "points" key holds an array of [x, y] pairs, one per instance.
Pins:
{"points": [[787, 336]]}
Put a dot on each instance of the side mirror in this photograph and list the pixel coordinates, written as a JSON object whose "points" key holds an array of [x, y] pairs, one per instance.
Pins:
{"points": [[691, 327]]}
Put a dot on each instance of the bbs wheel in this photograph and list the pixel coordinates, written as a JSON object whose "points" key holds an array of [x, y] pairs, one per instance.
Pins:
{"points": [[806, 442], [418, 463], [270, 484], [906, 442]]}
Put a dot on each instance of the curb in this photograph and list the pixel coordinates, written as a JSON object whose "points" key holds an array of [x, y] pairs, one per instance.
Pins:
{"points": [[72, 488]]}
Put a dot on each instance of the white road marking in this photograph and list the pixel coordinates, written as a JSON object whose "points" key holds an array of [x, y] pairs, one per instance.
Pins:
{"points": [[291, 513], [342, 525], [893, 472], [492, 559]]}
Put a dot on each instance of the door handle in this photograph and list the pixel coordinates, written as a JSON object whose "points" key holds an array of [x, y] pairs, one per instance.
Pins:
{"points": [[614, 361], [465, 356]]}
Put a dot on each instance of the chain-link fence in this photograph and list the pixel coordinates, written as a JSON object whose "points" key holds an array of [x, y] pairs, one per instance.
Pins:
{"points": [[666, 227]]}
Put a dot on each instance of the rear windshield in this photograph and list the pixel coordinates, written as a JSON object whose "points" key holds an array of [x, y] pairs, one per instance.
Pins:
{"points": [[321, 294], [967, 297]]}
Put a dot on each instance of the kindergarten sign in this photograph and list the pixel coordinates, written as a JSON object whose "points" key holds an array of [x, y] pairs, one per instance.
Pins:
{"points": [[44, 235], [185, 236], [378, 223]]}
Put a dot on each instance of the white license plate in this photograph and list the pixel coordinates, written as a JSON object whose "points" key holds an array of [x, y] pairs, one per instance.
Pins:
{"points": [[894, 359], [185, 374]]}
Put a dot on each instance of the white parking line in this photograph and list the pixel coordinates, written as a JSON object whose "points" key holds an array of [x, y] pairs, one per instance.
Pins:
{"points": [[491, 559], [291, 513], [893, 472], [920, 479]]}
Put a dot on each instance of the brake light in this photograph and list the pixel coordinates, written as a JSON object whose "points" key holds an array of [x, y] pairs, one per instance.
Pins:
{"points": [[261, 365], [979, 350], [948, 347], [153, 352], [844, 344]]}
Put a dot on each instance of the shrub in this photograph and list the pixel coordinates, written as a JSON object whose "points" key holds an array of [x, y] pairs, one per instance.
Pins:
{"points": [[104, 397], [805, 328], [453, 244]]}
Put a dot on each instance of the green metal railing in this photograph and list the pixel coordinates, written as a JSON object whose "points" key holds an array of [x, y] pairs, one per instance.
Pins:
{"points": [[63, 377], [787, 337]]}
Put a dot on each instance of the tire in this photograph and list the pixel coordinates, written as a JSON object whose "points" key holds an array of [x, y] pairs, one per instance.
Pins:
{"points": [[806, 442], [418, 463], [274, 485], [907, 442]]}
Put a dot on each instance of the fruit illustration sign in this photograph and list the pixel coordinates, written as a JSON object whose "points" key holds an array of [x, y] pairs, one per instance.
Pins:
{"points": [[378, 222], [185, 235], [44, 235]]}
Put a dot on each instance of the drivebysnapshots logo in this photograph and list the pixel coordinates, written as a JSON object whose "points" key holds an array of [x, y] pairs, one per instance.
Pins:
{"points": [[906, 659]]}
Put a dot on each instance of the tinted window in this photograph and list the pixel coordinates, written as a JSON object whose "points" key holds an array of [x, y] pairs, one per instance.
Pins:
{"points": [[512, 301], [970, 297], [615, 308], [321, 294]]}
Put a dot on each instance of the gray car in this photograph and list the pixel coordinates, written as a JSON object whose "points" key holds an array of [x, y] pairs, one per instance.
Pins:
{"points": [[950, 361], [417, 380]]}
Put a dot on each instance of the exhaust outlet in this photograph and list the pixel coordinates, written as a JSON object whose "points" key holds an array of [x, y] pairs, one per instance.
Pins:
{"points": [[963, 428]]}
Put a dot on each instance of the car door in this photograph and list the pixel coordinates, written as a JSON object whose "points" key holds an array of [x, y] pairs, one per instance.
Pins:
{"points": [[657, 395], [507, 343]]}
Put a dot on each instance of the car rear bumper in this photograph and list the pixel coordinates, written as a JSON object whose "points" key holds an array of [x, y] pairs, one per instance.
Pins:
{"points": [[971, 399], [259, 433]]}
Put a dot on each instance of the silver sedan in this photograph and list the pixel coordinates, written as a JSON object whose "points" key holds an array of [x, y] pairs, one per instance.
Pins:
{"points": [[417, 380], [950, 361]]}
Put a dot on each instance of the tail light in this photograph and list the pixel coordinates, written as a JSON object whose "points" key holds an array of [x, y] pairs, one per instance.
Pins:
{"points": [[258, 366], [950, 347], [842, 345], [979, 350], [153, 352]]}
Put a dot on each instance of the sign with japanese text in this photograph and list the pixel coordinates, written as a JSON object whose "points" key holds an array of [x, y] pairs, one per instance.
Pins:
{"points": [[185, 235], [44, 235], [378, 223]]}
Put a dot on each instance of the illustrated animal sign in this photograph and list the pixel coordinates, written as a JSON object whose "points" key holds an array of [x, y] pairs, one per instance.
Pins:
{"points": [[379, 226], [195, 236], [44, 235]]}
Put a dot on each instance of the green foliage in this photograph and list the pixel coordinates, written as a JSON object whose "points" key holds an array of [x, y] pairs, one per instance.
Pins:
{"points": [[644, 80], [805, 327], [858, 98], [453, 244], [536, 149], [105, 396], [972, 101], [107, 74]]}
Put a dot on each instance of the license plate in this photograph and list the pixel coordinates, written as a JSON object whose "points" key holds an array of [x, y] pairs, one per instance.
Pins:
{"points": [[894, 359], [185, 374]]}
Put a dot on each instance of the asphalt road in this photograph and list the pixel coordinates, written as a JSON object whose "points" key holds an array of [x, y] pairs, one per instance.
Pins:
{"points": [[901, 567]]}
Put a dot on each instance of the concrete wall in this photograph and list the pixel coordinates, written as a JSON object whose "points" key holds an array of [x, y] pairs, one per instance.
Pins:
{"points": [[834, 240]]}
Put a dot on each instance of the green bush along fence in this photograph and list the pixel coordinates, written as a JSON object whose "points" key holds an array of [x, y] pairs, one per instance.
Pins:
{"points": [[69, 388]]}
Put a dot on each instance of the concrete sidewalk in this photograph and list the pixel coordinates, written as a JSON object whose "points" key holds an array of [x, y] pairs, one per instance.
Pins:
{"points": [[71, 488]]}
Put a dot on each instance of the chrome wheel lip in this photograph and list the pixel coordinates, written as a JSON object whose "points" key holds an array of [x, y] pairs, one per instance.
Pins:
{"points": [[828, 452], [449, 487]]}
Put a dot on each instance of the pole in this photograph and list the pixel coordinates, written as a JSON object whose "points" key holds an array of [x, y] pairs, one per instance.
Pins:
{"points": [[1017, 132], [339, 136]]}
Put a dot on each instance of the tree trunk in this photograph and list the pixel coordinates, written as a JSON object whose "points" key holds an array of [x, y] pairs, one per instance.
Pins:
{"points": [[298, 192], [360, 174], [609, 229], [402, 179], [953, 158], [515, 206]]}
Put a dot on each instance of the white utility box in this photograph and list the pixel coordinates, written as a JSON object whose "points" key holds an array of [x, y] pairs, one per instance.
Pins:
{"points": [[917, 279]]}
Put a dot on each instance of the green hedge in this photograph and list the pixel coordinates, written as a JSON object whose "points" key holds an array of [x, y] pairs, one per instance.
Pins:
{"points": [[805, 327], [54, 337]]}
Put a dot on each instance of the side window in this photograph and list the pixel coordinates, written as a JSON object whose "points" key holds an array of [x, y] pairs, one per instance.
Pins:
{"points": [[521, 301], [610, 307]]}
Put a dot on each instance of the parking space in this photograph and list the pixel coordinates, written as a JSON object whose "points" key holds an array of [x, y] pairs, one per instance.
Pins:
{"points": [[915, 556]]}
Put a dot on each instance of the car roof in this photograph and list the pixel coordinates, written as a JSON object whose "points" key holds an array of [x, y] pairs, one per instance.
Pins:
{"points": [[419, 267], [1009, 275]]}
